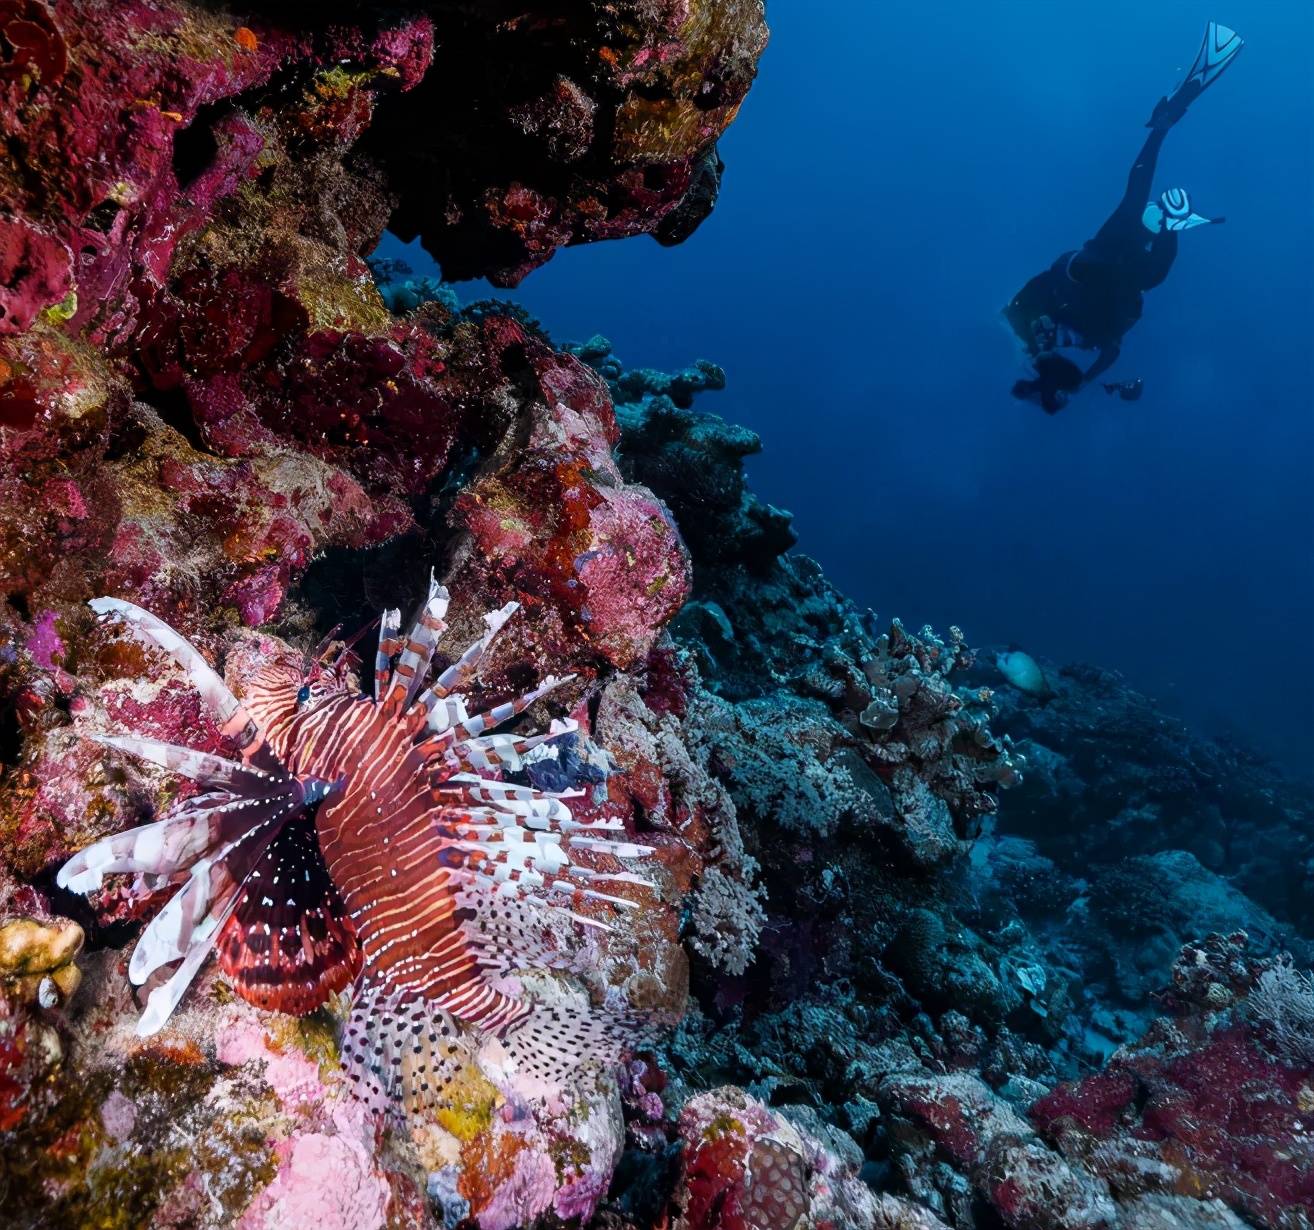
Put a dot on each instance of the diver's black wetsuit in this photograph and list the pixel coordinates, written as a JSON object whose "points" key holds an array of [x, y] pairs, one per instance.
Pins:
{"points": [[1095, 293], [1091, 297]]}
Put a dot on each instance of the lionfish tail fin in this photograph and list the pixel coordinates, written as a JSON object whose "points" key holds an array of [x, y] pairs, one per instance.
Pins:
{"points": [[562, 1038], [147, 629], [401, 1054]]}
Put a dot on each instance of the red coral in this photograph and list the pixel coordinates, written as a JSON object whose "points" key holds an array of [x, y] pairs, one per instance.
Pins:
{"points": [[555, 517], [1226, 1117], [714, 1181], [30, 43], [1094, 1105], [35, 272]]}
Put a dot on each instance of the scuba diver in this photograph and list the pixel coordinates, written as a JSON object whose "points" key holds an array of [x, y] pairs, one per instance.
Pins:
{"points": [[1089, 298]]}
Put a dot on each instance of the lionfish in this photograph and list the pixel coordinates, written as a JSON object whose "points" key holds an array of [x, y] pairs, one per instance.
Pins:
{"points": [[370, 840]]}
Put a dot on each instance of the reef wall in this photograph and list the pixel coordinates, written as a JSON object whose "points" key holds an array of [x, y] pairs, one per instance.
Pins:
{"points": [[1021, 947], [202, 392]]}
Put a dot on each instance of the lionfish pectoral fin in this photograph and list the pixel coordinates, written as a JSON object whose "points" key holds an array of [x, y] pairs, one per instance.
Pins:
{"points": [[150, 630], [402, 1052], [165, 998], [232, 794], [212, 772], [288, 945], [193, 915], [216, 840], [156, 852]]}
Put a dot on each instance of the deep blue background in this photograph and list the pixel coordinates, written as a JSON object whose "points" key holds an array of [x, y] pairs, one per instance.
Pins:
{"points": [[896, 174]]}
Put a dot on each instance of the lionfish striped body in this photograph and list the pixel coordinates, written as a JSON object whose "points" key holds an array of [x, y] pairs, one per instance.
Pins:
{"points": [[370, 840]]}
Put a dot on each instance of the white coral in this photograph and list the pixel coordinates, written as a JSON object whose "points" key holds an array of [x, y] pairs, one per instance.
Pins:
{"points": [[726, 918], [1283, 999]]}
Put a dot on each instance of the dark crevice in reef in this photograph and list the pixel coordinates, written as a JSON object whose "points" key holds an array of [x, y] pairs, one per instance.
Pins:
{"points": [[11, 733], [195, 147], [175, 409]]}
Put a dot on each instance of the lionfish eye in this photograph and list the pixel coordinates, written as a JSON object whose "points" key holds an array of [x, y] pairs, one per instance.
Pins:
{"points": [[304, 694]]}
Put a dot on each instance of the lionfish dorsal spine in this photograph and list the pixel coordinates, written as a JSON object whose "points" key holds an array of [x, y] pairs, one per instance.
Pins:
{"points": [[389, 647], [416, 651]]}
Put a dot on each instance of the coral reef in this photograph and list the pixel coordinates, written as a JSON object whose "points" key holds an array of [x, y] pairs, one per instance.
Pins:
{"points": [[590, 121], [1131, 779], [937, 956], [917, 906], [1201, 1106], [209, 408]]}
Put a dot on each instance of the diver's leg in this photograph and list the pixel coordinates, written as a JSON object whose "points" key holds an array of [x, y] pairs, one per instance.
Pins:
{"points": [[1140, 183], [1159, 259]]}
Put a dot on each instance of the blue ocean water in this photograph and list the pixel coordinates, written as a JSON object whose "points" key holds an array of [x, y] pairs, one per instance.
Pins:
{"points": [[895, 176]]}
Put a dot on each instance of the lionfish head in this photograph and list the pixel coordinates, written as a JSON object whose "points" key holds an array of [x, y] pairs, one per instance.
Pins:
{"points": [[302, 682]]}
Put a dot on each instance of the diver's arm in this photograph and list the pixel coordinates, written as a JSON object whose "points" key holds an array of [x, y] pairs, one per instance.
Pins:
{"points": [[1108, 356]]}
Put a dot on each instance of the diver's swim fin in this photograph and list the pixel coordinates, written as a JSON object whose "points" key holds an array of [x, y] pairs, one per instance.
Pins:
{"points": [[1177, 212], [1218, 50]]}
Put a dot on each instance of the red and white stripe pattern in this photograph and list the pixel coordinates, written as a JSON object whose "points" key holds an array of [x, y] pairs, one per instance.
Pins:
{"points": [[428, 880]]}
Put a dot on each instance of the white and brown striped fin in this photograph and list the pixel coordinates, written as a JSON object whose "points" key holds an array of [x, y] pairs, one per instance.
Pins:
{"points": [[490, 719], [213, 841], [158, 851], [212, 879], [203, 822], [503, 752], [188, 926], [389, 646], [417, 649], [234, 720], [456, 676], [212, 772], [443, 712]]}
